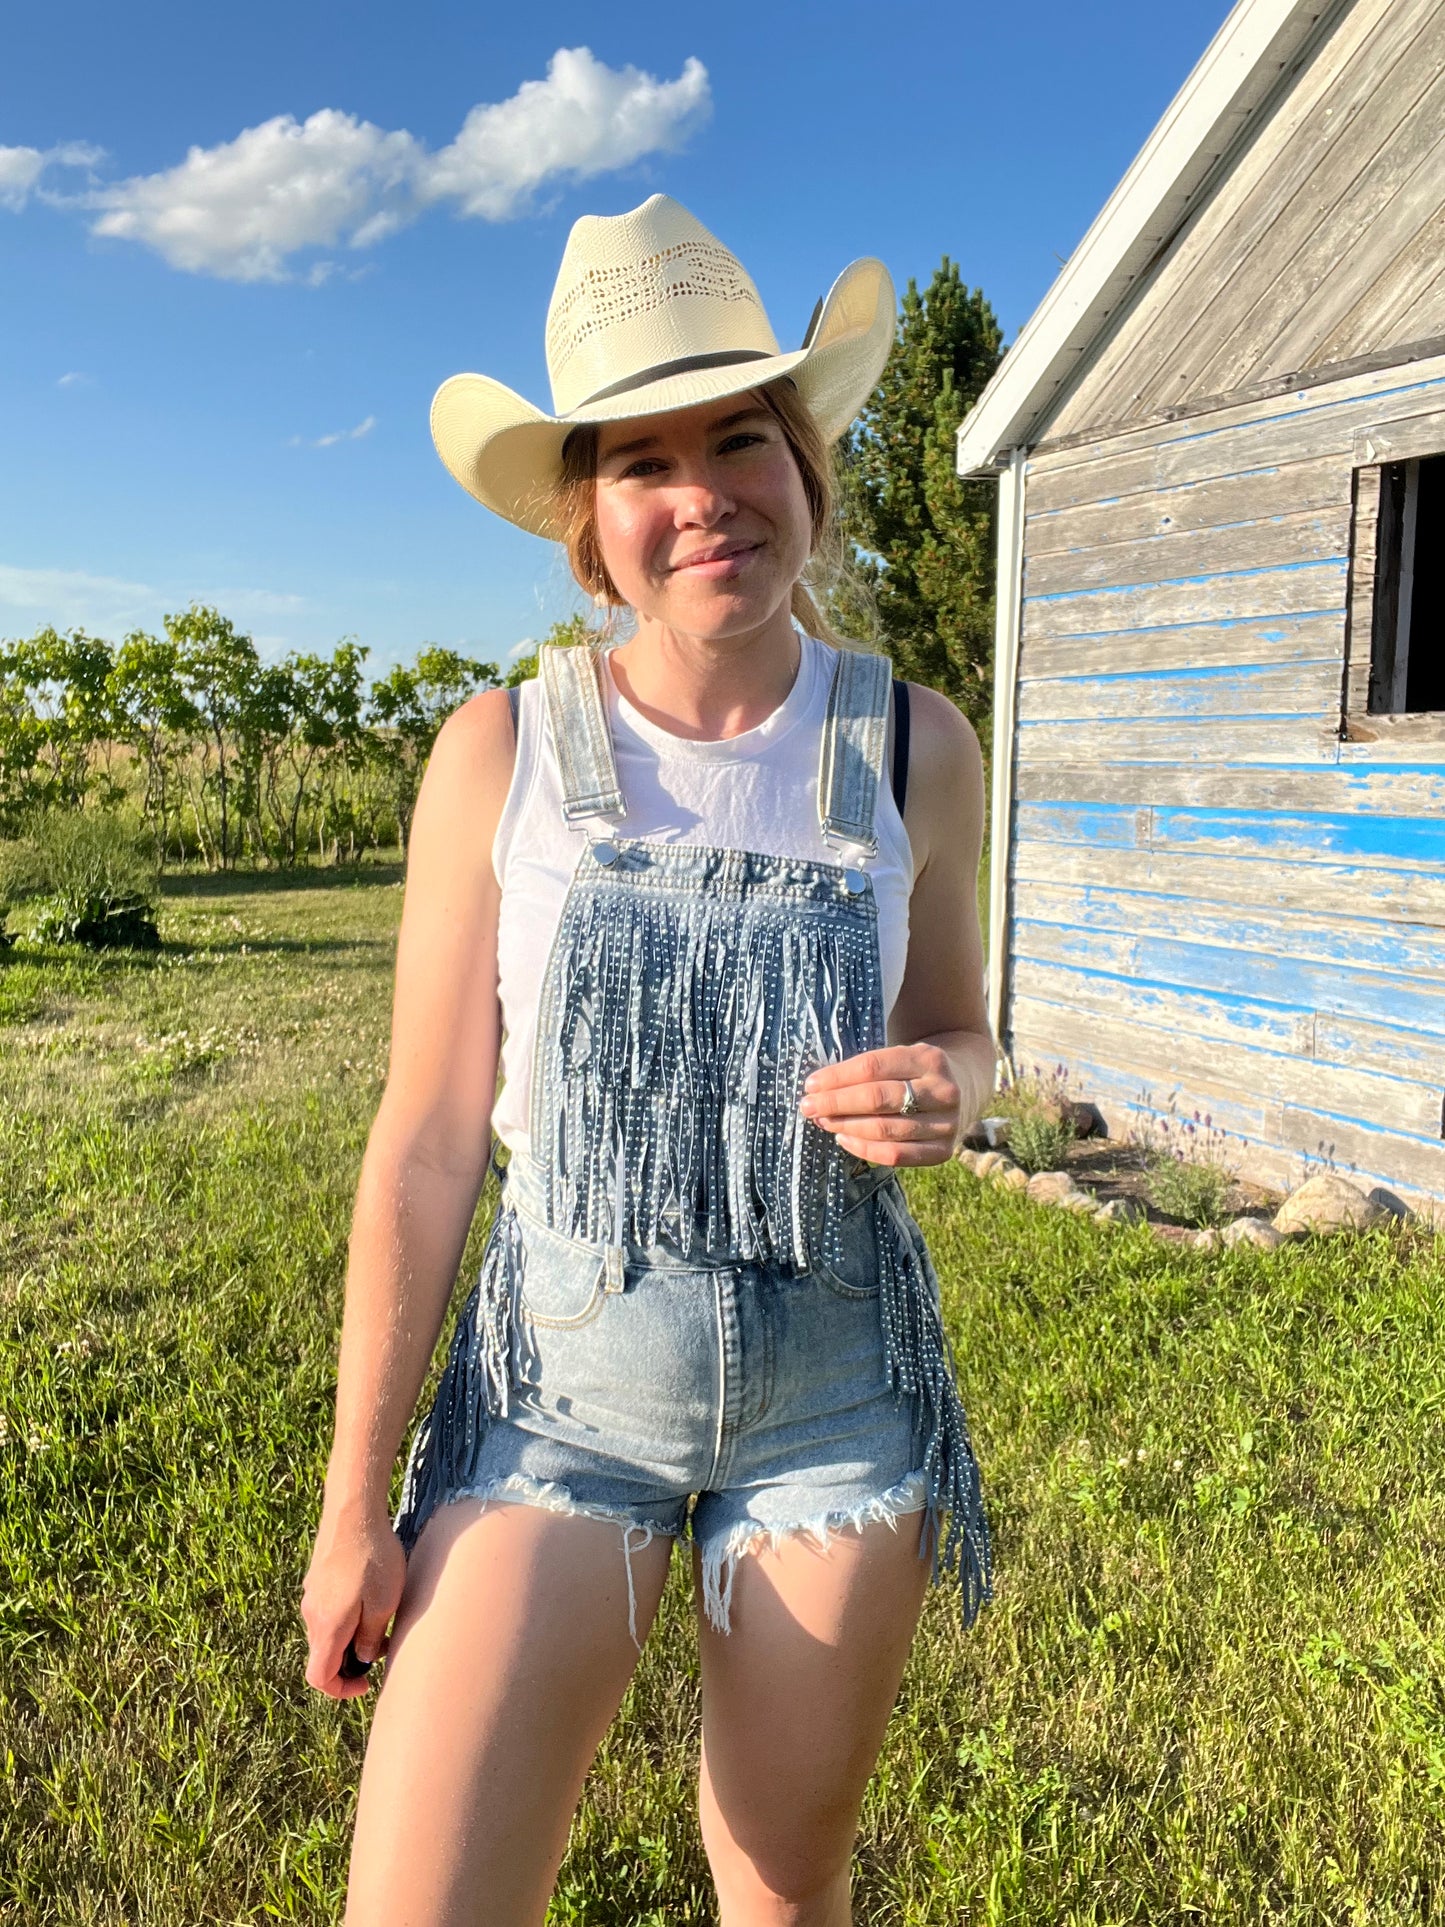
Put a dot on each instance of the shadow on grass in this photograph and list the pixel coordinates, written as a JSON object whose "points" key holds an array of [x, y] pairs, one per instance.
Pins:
{"points": [[241, 883]]}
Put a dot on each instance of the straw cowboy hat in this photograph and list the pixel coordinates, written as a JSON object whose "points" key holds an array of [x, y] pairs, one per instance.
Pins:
{"points": [[651, 312]]}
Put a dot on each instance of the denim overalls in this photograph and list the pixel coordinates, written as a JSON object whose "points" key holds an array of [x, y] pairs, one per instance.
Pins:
{"points": [[695, 1309]]}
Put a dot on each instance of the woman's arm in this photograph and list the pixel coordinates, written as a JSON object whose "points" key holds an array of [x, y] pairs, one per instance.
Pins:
{"points": [[939, 1035], [425, 1162]]}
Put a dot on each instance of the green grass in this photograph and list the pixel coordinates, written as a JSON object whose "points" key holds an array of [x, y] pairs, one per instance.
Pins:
{"points": [[1209, 1686]]}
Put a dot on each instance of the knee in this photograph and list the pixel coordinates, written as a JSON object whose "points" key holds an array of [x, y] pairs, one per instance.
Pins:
{"points": [[798, 1876]]}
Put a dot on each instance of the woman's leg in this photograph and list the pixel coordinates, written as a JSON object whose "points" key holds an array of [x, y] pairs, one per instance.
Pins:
{"points": [[795, 1702], [510, 1657]]}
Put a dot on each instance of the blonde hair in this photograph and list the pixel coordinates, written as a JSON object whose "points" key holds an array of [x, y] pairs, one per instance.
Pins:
{"points": [[826, 568]]}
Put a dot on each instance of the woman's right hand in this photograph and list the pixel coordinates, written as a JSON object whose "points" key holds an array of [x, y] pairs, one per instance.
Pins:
{"points": [[353, 1588]]}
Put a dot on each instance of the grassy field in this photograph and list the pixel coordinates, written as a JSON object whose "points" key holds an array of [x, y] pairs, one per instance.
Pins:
{"points": [[1209, 1688]]}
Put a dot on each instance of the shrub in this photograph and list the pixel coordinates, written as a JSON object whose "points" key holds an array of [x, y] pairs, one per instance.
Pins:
{"points": [[1039, 1142], [1040, 1127], [1188, 1177], [91, 876]]}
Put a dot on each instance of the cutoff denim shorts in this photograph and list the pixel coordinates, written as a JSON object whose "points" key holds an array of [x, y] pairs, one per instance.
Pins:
{"points": [[725, 1401]]}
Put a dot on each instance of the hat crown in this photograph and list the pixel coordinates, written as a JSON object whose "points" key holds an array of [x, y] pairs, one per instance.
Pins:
{"points": [[640, 291]]}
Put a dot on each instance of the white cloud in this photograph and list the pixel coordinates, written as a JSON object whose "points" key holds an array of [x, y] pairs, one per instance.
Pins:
{"points": [[240, 209], [243, 209], [585, 118], [22, 167], [108, 605], [340, 435], [75, 379]]}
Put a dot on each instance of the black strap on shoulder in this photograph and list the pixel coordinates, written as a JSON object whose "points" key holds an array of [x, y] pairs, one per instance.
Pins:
{"points": [[514, 699], [900, 742]]}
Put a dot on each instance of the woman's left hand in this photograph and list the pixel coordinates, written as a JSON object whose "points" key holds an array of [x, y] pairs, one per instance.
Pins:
{"points": [[859, 1100]]}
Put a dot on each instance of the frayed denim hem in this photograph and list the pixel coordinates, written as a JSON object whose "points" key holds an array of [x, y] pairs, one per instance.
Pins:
{"points": [[720, 1558], [550, 1496]]}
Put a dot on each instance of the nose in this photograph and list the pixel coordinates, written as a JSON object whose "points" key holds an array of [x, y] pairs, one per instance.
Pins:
{"points": [[700, 500]]}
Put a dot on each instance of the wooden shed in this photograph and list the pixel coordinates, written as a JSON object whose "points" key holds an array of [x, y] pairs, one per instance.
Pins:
{"points": [[1218, 871]]}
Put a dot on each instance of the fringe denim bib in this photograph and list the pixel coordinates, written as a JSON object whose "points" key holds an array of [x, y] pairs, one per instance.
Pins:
{"points": [[689, 992]]}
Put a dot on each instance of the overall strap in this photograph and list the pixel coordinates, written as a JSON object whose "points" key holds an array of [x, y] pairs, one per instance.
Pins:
{"points": [[855, 742], [571, 677]]}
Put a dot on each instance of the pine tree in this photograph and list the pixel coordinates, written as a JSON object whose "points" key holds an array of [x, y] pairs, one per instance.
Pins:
{"points": [[922, 537]]}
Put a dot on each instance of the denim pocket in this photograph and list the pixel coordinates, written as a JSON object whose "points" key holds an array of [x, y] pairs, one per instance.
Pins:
{"points": [[561, 1279], [856, 1273]]}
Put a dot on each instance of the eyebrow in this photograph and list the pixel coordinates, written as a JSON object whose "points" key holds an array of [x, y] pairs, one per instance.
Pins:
{"points": [[713, 428]]}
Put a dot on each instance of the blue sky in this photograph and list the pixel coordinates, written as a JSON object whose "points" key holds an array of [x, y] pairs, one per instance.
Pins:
{"points": [[215, 372]]}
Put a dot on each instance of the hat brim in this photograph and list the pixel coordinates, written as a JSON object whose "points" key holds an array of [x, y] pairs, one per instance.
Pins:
{"points": [[508, 454]]}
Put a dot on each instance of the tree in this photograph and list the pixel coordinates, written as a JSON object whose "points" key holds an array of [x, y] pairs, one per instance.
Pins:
{"points": [[218, 673], [407, 710], [154, 717], [923, 537]]}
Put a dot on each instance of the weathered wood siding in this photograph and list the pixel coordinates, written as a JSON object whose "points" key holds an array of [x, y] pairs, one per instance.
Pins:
{"points": [[1322, 245], [1212, 896]]}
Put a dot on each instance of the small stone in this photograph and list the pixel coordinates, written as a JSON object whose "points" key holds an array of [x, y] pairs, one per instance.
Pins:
{"points": [[1327, 1203], [966, 1157], [986, 1161], [1010, 1177], [1253, 1231], [1059, 1187], [1209, 1239], [1388, 1201], [1120, 1211]]}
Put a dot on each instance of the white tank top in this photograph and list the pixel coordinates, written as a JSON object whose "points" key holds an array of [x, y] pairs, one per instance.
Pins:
{"points": [[757, 791]]}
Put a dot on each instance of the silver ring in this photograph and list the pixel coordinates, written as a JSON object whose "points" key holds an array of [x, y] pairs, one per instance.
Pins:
{"points": [[910, 1101]]}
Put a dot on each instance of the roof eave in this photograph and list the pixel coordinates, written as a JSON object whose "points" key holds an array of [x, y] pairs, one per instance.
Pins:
{"points": [[1235, 74]]}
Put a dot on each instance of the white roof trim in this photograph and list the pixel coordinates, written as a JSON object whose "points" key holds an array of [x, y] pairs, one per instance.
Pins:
{"points": [[1234, 75]]}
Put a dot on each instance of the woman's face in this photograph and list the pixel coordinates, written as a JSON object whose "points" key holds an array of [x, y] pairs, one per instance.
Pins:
{"points": [[701, 515]]}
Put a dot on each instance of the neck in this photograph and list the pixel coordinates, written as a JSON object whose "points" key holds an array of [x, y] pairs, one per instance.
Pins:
{"points": [[706, 688]]}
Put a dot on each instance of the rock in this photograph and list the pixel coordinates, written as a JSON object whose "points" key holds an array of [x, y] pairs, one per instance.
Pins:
{"points": [[1387, 1201], [1326, 1203], [1086, 1118], [1209, 1239], [986, 1161], [1120, 1211], [1058, 1187], [1010, 1177], [967, 1157], [1253, 1231]]}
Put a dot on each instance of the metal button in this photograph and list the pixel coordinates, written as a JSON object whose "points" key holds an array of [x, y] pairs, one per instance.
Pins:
{"points": [[854, 882], [605, 852]]}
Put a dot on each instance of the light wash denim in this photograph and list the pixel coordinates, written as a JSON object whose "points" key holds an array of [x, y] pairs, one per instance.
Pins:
{"points": [[696, 1312]]}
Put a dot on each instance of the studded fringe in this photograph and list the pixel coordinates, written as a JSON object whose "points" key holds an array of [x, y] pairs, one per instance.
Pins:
{"points": [[684, 1028], [920, 1365], [448, 1442]]}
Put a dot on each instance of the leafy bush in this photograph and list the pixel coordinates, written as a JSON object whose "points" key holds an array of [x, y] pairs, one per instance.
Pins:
{"points": [[1188, 1177], [1039, 1142], [91, 877], [1040, 1127]]}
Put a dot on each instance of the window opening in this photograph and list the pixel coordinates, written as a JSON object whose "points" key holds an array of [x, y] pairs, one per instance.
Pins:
{"points": [[1407, 655]]}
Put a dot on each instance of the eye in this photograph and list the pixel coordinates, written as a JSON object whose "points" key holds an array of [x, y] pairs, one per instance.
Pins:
{"points": [[744, 438]]}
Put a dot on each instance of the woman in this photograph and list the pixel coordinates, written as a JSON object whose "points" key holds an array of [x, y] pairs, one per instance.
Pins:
{"points": [[681, 884]]}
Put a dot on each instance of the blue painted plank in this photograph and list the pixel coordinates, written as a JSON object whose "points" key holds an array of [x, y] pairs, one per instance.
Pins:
{"points": [[1412, 1003], [1266, 833]]}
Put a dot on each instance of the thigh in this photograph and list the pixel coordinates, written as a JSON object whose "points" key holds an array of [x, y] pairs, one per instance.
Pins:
{"points": [[510, 1657], [796, 1699]]}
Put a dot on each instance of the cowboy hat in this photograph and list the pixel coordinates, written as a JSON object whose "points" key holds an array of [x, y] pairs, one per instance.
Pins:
{"points": [[651, 312]]}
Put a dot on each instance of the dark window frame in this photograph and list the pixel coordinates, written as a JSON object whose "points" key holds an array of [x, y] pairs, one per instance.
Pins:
{"points": [[1378, 546]]}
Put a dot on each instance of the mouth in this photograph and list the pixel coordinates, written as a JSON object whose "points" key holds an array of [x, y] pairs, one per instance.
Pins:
{"points": [[721, 562]]}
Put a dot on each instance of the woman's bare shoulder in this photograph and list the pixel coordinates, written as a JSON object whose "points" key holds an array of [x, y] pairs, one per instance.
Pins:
{"points": [[945, 775]]}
